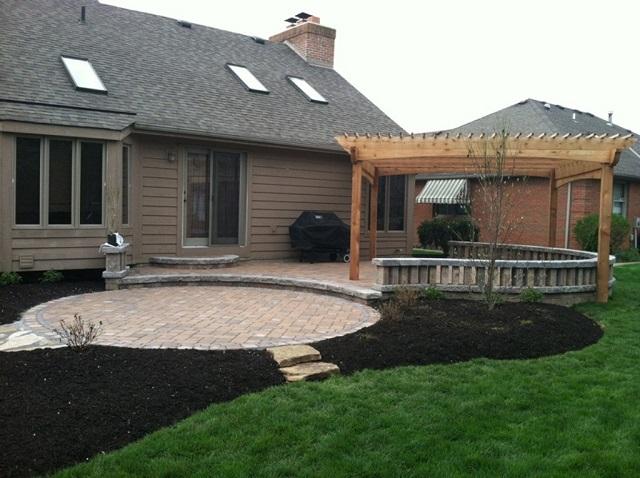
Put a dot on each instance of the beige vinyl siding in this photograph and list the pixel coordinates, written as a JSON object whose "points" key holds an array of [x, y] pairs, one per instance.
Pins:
{"points": [[159, 201], [285, 184], [50, 247], [58, 249]]}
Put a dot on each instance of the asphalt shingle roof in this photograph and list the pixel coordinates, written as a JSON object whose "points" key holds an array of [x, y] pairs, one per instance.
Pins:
{"points": [[171, 77], [533, 116]]}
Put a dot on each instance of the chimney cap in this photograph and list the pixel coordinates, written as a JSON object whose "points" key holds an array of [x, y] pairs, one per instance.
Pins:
{"points": [[303, 15]]}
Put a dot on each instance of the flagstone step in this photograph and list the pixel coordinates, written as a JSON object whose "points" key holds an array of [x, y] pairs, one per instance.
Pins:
{"points": [[195, 262], [289, 355], [309, 371]]}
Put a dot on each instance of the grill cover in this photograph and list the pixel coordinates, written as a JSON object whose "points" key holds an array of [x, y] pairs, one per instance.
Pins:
{"points": [[320, 231]]}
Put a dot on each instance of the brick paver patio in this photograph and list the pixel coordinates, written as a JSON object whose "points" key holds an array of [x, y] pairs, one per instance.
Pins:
{"points": [[206, 317]]}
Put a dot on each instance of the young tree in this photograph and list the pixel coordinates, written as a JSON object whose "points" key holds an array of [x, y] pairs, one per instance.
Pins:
{"points": [[500, 194]]}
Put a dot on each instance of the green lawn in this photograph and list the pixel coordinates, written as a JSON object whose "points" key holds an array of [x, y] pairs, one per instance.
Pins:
{"points": [[576, 414]]}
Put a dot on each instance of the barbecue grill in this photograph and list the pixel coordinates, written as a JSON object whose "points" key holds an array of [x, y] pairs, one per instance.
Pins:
{"points": [[320, 233]]}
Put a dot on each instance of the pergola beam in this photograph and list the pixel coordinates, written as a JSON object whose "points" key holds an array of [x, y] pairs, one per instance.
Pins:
{"points": [[595, 174], [405, 170], [573, 168], [369, 172]]}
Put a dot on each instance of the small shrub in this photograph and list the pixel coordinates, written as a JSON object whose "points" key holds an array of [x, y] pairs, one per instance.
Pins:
{"points": [[586, 232], [50, 277], [492, 299], [406, 297], [79, 334], [9, 278], [439, 231], [531, 295], [431, 293], [391, 310], [629, 255]]}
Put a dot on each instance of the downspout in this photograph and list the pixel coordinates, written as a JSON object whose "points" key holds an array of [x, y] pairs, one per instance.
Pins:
{"points": [[567, 218]]}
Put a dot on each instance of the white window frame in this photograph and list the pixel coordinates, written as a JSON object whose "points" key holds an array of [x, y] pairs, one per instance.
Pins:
{"points": [[625, 198]]}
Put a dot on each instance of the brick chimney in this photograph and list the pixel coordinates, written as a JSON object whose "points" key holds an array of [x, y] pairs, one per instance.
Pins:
{"points": [[312, 41]]}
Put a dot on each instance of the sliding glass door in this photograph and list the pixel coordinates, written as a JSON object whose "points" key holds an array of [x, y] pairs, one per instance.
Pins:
{"points": [[225, 198], [197, 194], [214, 198]]}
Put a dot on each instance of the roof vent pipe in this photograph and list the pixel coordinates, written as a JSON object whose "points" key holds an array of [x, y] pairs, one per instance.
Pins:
{"points": [[573, 116], [83, 14], [610, 118]]}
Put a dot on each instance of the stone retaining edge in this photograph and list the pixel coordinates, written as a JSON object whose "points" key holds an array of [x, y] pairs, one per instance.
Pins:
{"points": [[502, 290], [241, 279], [198, 261], [524, 247]]}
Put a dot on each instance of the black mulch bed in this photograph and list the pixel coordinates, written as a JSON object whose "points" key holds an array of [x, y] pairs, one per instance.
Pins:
{"points": [[15, 299], [59, 407], [447, 331]]}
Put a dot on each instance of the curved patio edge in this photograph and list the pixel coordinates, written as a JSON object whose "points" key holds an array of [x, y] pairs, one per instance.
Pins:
{"points": [[360, 294]]}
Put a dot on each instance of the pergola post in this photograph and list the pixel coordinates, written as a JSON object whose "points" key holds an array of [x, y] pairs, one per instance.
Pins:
{"points": [[553, 209], [604, 232], [356, 206], [373, 217]]}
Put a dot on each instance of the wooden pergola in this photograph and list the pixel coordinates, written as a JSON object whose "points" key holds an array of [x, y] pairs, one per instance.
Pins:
{"points": [[562, 158]]}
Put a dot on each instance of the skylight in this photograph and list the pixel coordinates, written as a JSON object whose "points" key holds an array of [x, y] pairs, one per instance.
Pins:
{"points": [[83, 75], [309, 91], [248, 78]]}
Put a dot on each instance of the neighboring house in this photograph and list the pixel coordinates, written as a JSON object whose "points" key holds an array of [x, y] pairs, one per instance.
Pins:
{"points": [[448, 195], [189, 140]]}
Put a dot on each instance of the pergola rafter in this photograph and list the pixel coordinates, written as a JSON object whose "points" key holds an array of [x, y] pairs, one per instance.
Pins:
{"points": [[560, 157]]}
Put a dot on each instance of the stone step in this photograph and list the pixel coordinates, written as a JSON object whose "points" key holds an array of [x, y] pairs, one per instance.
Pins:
{"points": [[309, 371], [289, 355], [212, 262]]}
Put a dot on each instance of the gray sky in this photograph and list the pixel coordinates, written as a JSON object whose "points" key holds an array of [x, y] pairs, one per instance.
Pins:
{"points": [[434, 65]]}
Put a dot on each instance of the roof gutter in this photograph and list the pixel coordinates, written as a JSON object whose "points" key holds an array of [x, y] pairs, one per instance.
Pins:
{"points": [[145, 128]]}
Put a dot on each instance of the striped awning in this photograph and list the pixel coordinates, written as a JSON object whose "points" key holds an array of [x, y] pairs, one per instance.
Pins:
{"points": [[444, 191]]}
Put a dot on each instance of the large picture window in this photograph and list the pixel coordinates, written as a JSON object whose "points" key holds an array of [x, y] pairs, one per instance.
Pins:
{"points": [[391, 203], [58, 182]]}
